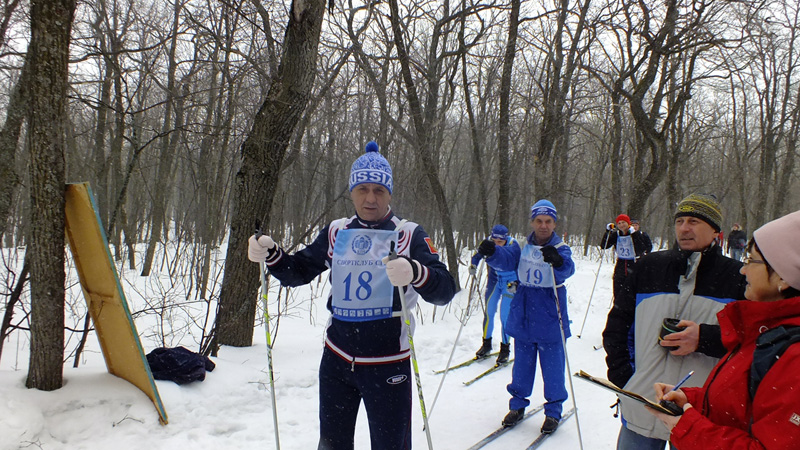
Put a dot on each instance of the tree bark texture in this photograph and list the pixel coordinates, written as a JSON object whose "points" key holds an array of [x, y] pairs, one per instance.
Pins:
{"points": [[51, 22], [262, 153], [423, 142], [9, 138], [503, 178], [169, 143]]}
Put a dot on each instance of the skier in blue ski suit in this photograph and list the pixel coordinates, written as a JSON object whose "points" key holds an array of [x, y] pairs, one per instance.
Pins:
{"points": [[533, 319], [366, 354], [502, 271]]}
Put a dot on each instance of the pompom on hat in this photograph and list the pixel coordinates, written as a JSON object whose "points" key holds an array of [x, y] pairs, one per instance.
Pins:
{"points": [[371, 167], [778, 243], [500, 231], [702, 206], [544, 208], [623, 218]]}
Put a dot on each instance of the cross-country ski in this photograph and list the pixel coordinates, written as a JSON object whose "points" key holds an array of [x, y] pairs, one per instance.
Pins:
{"points": [[503, 429], [466, 363], [489, 371], [541, 438]]}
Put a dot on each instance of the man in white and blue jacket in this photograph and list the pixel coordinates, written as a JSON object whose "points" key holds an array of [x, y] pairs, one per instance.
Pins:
{"points": [[533, 322], [366, 354]]}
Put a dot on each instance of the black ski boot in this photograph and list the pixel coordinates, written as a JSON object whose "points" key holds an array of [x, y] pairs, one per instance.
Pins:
{"points": [[502, 358], [550, 424], [513, 417], [485, 349]]}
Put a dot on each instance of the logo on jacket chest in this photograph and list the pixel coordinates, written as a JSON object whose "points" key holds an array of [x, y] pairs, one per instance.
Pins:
{"points": [[795, 419], [361, 244]]}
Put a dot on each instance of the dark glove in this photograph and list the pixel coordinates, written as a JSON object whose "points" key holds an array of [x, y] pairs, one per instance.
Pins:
{"points": [[486, 248], [551, 256]]}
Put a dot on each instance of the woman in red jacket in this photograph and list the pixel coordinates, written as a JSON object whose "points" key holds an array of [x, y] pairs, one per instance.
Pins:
{"points": [[721, 414]]}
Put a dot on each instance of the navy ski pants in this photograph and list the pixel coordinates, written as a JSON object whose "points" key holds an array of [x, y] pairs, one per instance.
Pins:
{"points": [[386, 391]]}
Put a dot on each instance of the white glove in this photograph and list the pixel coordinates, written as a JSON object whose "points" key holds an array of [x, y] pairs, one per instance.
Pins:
{"points": [[610, 226], [473, 270], [259, 249], [401, 271]]}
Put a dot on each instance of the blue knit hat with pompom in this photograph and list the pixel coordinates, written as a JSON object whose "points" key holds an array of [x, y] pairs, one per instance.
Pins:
{"points": [[371, 167]]}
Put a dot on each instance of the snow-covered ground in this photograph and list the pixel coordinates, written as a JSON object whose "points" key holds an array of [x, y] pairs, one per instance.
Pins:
{"points": [[231, 409]]}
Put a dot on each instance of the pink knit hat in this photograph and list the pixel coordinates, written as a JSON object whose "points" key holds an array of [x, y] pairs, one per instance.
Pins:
{"points": [[778, 242]]}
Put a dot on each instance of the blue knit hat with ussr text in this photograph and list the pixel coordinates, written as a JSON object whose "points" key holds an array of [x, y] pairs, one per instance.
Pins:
{"points": [[371, 167], [544, 208], [500, 231]]}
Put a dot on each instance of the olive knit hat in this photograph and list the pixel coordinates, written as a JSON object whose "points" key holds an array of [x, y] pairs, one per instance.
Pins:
{"points": [[703, 206], [778, 243]]}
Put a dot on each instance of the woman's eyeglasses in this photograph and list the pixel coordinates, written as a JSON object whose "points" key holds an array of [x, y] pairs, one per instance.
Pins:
{"points": [[750, 260]]}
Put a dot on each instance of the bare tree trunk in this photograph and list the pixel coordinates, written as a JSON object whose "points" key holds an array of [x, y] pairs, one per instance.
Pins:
{"points": [[553, 137], [262, 153], [9, 138], [741, 149], [100, 167], [616, 149], [423, 140], [477, 175], [51, 22], [787, 168], [169, 143], [13, 299], [503, 178]]}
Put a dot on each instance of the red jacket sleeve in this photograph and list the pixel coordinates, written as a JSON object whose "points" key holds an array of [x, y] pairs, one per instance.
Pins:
{"points": [[776, 423]]}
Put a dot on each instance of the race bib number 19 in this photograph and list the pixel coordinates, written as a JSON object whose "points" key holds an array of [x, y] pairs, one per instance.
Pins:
{"points": [[532, 270]]}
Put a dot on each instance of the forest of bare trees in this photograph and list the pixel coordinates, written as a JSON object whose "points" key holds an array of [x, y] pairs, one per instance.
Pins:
{"points": [[190, 120]]}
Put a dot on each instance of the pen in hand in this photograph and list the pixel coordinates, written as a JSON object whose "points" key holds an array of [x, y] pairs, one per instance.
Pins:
{"points": [[680, 383]]}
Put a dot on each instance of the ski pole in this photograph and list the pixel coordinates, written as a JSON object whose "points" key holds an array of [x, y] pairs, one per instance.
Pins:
{"points": [[264, 300], [464, 318], [566, 357], [407, 320], [588, 306]]}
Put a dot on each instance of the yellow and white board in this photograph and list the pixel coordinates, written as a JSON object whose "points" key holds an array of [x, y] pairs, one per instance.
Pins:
{"points": [[108, 308]]}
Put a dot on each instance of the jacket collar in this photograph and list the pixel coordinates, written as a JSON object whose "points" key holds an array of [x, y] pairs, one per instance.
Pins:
{"points": [[551, 241], [743, 320], [378, 223]]}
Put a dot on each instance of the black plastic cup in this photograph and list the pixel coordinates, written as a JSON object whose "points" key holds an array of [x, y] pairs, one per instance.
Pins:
{"points": [[669, 326]]}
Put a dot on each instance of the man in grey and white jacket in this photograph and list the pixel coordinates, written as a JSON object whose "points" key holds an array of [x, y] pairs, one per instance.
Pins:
{"points": [[691, 282]]}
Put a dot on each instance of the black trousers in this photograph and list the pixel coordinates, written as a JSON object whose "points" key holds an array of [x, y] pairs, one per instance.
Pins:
{"points": [[386, 392]]}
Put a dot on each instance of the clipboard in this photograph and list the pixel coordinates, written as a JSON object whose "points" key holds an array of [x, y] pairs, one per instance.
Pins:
{"points": [[632, 395]]}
